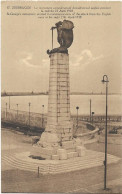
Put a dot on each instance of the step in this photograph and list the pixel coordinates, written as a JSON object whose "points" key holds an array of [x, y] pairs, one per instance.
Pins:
{"points": [[23, 166], [58, 165], [19, 163], [96, 159]]}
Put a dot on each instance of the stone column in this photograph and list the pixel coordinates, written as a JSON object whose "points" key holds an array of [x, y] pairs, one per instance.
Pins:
{"points": [[57, 141], [59, 127]]}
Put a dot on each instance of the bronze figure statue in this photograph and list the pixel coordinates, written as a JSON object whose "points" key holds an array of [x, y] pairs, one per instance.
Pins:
{"points": [[65, 36]]}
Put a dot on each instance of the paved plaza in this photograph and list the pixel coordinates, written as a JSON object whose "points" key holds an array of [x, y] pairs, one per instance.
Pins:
{"points": [[20, 175]]}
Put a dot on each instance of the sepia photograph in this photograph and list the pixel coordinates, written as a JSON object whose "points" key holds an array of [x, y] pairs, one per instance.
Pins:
{"points": [[61, 97]]}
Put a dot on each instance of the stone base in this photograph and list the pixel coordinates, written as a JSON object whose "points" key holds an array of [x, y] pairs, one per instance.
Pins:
{"points": [[64, 152], [49, 140], [46, 153]]}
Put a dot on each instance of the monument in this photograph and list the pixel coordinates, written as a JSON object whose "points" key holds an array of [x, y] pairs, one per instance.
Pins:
{"points": [[57, 140]]}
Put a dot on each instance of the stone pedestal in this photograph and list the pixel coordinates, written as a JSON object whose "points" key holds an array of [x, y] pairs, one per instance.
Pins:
{"points": [[58, 135]]}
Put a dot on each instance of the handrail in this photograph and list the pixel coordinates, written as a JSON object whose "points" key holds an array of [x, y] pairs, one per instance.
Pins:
{"points": [[89, 133]]}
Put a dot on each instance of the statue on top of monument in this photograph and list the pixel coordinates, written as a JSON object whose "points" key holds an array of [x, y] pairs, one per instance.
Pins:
{"points": [[65, 36]]}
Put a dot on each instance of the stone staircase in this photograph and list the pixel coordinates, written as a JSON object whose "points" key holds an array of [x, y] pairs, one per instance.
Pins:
{"points": [[23, 162]]}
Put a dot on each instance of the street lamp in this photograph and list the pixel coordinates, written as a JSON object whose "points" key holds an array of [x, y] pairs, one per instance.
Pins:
{"points": [[6, 109], [42, 114], [9, 102], [17, 110], [77, 108], [105, 80], [92, 117], [29, 113], [90, 110]]}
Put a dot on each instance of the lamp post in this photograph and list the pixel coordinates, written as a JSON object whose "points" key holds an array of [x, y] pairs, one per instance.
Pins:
{"points": [[6, 109], [29, 113], [92, 117], [42, 115], [77, 108], [105, 80], [90, 110], [9, 102], [17, 110]]}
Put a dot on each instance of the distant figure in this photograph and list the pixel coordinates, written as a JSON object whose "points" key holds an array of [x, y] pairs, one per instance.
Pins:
{"points": [[65, 36]]}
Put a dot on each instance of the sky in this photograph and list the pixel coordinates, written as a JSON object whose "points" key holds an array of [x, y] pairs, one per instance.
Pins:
{"points": [[95, 51]]}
